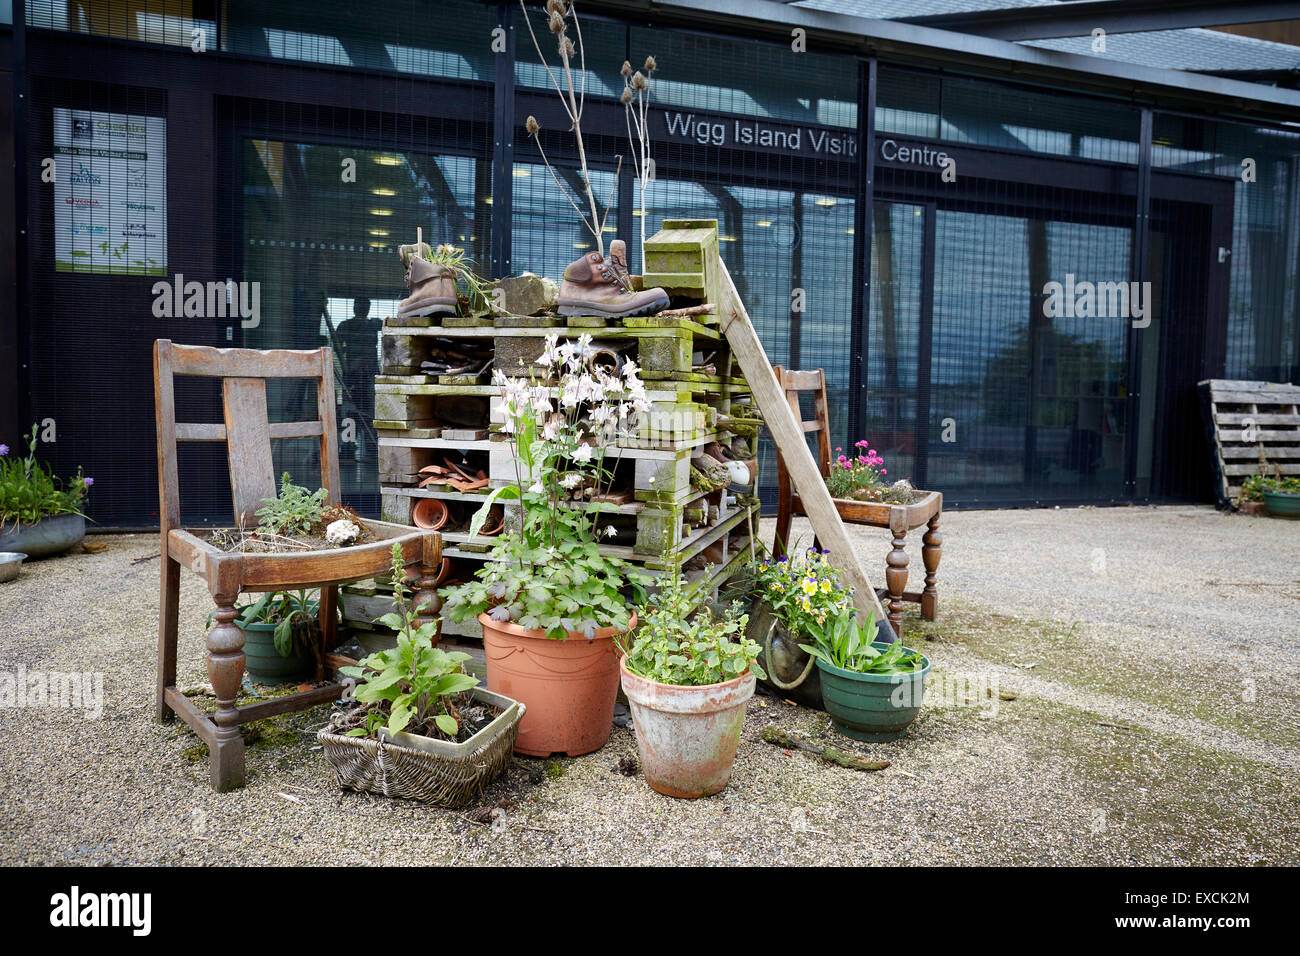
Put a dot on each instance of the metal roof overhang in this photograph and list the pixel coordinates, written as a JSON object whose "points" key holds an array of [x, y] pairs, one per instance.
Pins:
{"points": [[912, 43], [1080, 17]]}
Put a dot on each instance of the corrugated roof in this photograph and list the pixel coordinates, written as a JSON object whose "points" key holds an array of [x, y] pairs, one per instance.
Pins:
{"points": [[1203, 51], [1198, 50]]}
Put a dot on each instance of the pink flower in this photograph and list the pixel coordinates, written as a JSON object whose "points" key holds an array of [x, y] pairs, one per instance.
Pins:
{"points": [[884, 471]]}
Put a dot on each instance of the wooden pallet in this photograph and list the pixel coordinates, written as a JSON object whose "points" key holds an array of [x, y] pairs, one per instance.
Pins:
{"points": [[1255, 426], [697, 395]]}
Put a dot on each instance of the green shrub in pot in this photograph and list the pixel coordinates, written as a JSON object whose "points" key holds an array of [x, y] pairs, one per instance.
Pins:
{"points": [[281, 634], [872, 690], [687, 674], [39, 514]]}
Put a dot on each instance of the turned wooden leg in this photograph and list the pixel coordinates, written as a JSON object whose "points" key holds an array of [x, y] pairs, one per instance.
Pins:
{"points": [[327, 617], [169, 593], [931, 552], [426, 602], [226, 672], [896, 580]]}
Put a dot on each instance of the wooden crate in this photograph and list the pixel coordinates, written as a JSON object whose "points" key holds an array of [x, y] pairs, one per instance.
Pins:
{"points": [[1251, 423]]}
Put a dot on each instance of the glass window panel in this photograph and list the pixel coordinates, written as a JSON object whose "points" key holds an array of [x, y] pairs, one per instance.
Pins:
{"points": [[889, 420], [1037, 400], [748, 77], [604, 44], [324, 256], [547, 232], [986, 113], [453, 41], [170, 22]]}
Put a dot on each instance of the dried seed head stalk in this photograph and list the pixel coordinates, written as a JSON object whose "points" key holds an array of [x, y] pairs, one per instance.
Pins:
{"points": [[572, 98], [636, 107]]}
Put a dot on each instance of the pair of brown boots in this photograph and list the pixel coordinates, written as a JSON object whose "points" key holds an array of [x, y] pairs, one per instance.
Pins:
{"points": [[592, 285]]}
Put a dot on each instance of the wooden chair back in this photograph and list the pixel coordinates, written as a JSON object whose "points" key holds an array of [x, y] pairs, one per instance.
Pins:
{"points": [[247, 429], [793, 383]]}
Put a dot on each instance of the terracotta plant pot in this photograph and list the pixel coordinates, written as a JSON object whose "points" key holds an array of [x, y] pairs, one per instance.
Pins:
{"points": [[687, 736], [429, 513], [568, 686]]}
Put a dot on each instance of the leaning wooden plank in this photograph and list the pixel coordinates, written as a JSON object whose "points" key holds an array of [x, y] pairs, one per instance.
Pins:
{"points": [[788, 434]]}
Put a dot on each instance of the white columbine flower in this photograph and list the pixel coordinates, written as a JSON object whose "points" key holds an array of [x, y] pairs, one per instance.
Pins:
{"points": [[582, 454], [571, 480], [611, 531]]}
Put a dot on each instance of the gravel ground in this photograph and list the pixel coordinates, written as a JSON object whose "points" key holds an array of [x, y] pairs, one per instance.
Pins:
{"points": [[1151, 656]]}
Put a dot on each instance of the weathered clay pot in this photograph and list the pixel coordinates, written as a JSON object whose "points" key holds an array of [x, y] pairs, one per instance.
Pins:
{"points": [[687, 736], [51, 535], [429, 513], [568, 686]]}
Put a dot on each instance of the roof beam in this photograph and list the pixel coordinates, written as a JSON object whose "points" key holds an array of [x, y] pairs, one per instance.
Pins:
{"points": [[1080, 18]]}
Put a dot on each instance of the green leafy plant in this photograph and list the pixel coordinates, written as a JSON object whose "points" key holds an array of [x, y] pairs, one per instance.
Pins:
{"points": [[415, 684], [844, 642], [292, 613], [294, 510], [803, 590], [1253, 488], [29, 492], [548, 572], [672, 645], [475, 288]]}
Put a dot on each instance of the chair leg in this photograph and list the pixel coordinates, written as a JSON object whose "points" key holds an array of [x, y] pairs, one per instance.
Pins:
{"points": [[328, 618], [931, 552], [169, 593], [782, 536], [226, 672], [896, 580], [426, 602]]}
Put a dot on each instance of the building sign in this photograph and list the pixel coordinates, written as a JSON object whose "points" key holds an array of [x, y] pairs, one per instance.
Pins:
{"points": [[733, 132], [912, 154], [110, 193]]}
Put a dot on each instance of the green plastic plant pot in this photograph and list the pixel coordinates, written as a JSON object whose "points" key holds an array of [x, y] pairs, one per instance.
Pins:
{"points": [[263, 662], [1282, 504], [872, 707]]}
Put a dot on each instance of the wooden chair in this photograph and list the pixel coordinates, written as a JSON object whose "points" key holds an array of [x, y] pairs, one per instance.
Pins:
{"points": [[247, 433], [899, 519]]}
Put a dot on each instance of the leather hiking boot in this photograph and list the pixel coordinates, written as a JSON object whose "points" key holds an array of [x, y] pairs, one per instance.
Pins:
{"points": [[594, 285], [432, 287]]}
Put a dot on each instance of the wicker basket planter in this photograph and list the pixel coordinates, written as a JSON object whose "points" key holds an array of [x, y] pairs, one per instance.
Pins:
{"points": [[439, 772]]}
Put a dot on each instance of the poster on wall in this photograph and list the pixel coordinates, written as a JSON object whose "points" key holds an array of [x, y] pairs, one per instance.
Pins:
{"points": [[110, 205]]}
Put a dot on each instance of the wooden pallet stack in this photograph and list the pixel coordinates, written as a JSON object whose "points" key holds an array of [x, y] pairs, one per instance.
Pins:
{"points": [[1255, 427], [697, 394]]}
